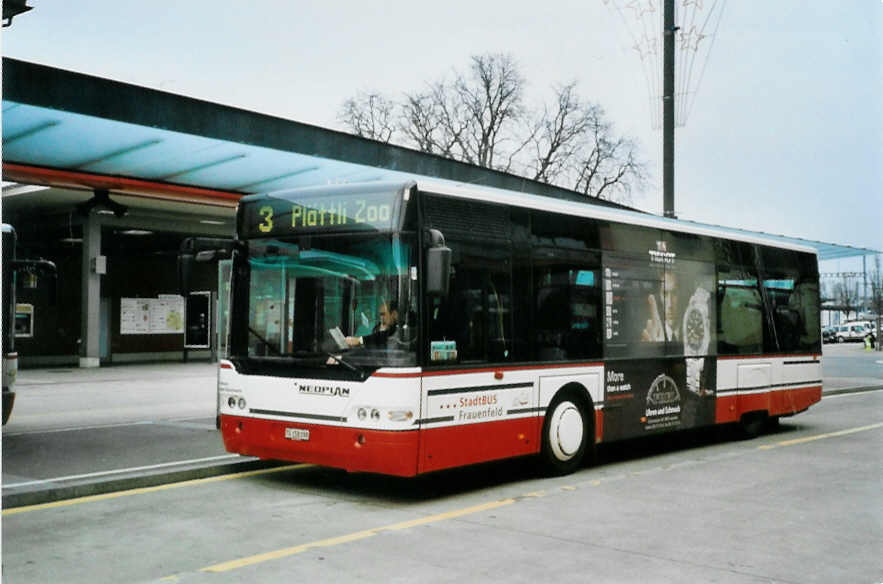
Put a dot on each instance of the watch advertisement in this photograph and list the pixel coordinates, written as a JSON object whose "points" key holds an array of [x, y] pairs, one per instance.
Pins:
{"points": [[659, 338], [658, 304], [647, 396]]}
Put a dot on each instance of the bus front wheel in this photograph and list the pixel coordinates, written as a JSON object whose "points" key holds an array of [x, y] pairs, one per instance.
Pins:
{"points": [[567, 434]]}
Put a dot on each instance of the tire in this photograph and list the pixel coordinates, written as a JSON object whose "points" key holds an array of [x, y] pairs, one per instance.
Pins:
{"points": [[567, 434], [839, 339], [753, 424]]}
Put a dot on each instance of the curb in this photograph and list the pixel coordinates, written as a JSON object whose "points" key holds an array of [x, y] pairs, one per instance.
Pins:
{"points": [[863, 389], [86, 489]]}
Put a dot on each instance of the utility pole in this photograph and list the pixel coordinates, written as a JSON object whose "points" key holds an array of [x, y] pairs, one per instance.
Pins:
{"points": [[668, 109]]}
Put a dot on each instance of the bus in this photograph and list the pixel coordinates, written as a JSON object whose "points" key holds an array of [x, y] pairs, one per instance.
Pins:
{"points": [[12, 319], [412, 327]]}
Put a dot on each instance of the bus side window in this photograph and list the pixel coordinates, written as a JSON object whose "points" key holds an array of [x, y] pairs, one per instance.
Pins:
{"points": [[740, 310], [790, 282], [477, 313], [568, 308], [740, 306]]}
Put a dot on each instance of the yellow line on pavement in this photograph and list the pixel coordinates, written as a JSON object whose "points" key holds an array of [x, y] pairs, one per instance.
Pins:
{"points": [[360, 535], [355, 536], [143, 490], [796, 441]]}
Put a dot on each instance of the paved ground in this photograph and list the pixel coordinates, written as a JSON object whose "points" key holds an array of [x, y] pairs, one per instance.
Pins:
{"points": [[81, 431], [800, 504], [84, 431], [849, 365]]}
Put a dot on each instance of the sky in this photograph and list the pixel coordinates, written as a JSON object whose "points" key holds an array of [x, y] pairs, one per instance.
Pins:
{"points": [[785, 134]]}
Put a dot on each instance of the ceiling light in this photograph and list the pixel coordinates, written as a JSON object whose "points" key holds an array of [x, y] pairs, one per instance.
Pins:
{"points": [[22, 189], [135, 232], [211, 222]]}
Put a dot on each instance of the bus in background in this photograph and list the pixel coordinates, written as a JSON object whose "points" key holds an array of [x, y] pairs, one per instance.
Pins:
{"points": [[408, 328], [12, 269]]}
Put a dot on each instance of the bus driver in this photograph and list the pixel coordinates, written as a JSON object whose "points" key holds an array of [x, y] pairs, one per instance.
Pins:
{"points": [[389, 319]]}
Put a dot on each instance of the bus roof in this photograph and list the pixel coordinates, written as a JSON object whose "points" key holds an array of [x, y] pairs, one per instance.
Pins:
{"points": [[577, 208], [588, 209]]}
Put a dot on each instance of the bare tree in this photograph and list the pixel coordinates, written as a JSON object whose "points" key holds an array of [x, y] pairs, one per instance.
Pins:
{"points": [[472, 118], [435, 121], [369, 115], [481, 118], [575, 146], [493, 98], [558, 135], [608, 167], [846, 296]]}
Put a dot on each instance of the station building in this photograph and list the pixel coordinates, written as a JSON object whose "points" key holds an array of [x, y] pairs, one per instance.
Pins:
{"points": [[106, 179]]}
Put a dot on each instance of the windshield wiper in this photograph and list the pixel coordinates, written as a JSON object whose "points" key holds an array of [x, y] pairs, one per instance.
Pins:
{"points": [[269, 345], [348, 365]]}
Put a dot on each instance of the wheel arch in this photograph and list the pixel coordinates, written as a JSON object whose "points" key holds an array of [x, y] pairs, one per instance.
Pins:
{"points": [[579, 391], [587, 387], [577, 394]]}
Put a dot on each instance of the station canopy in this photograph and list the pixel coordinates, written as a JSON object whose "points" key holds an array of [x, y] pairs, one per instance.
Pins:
{"points": [[77, 134]]}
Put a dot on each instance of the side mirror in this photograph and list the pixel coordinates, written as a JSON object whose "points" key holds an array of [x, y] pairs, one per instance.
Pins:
{"points": [[438, 265]]}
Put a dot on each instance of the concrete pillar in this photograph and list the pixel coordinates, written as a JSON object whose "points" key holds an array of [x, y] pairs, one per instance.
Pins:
{"points": [[90, 288]]}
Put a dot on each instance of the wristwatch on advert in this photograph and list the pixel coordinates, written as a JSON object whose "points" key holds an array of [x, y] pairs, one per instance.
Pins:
{"points": [[697, 335]]}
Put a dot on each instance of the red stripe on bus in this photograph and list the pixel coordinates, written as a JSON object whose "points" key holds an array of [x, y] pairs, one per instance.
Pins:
{"points": [[778, 402], [451, 446], [352, 449]]}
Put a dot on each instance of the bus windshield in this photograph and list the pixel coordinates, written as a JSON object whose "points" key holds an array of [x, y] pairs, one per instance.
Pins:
{"points": [[333, 301]]}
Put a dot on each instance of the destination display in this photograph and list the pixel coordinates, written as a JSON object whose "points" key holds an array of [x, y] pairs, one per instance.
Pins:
{"points": [[370, 211]]}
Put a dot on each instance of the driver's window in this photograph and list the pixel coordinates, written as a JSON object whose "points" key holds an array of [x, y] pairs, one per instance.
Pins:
{"points": [[474, 322]]}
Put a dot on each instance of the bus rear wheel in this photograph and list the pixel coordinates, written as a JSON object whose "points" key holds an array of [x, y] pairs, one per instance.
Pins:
{"points": [[752, 424], [567, 434]]}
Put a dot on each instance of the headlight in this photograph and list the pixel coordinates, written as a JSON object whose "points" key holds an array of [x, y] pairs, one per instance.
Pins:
{"points": [[375, 415], [231, 402], [400, 415], [242, 403]]}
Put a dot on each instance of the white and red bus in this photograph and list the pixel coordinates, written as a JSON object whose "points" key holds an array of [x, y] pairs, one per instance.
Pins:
{"points": [[409, 328]]}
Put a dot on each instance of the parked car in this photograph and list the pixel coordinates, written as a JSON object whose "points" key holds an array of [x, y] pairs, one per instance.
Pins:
{"points": [[865, 323], [829, 334], [850, 332]]}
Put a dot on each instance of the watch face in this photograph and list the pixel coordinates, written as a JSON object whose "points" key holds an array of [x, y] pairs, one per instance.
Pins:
{"points": [[694, 330]]}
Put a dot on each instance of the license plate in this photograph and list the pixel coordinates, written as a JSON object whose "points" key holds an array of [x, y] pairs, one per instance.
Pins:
{"points": [[297, 434]]}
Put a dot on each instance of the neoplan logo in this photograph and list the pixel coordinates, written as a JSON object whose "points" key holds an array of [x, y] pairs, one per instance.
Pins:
{"points": [[329, 390]]}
